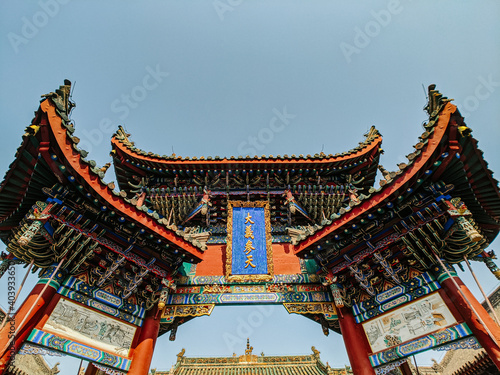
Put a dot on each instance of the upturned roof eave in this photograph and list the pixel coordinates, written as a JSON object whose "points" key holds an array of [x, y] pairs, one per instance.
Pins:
{"points": [[389, 190], [82, 171], [14, 194], [20, 188], [492, 186]]}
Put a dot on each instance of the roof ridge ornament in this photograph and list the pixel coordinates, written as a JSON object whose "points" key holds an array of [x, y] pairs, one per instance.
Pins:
{"points": [[436, 101], [315, 352], [249, 348], [372, 133], [62, 99]]}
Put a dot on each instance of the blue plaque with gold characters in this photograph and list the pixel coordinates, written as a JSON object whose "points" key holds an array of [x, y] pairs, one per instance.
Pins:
{"points": [[249, 243]]}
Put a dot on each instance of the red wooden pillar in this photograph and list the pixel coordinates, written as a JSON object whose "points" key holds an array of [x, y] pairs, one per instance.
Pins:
{"points": [[37, 321], [91, 369], [356, 343], [143, 352], [490, 343], [28, 314], [405, 369]]}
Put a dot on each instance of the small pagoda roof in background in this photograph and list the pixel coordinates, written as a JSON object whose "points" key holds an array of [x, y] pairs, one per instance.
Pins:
{"points": [[250, 363], [31, 364]]}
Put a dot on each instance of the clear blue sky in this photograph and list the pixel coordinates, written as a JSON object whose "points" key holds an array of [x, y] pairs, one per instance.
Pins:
{"points": [[206, 77]]}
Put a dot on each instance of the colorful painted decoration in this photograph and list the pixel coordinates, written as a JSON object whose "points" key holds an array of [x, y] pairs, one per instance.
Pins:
{"points": [[421, 317], [87, 352], [116, 257], [89, 327], [434, 340]]}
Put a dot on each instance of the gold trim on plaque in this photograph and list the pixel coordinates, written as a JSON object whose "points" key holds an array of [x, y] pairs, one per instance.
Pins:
{"points": [[269, 243], [311, 308], [187, 310]]}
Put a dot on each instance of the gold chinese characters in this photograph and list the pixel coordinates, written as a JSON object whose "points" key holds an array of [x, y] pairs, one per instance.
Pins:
{"points": [[249, 245]]}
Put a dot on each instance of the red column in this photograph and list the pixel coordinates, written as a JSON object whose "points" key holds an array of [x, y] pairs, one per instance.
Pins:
{"points": [[491, 345], [37, 321], [143, 352], [405, 368], [91, 369], [28, 325], [356, 343], [8, 350]]}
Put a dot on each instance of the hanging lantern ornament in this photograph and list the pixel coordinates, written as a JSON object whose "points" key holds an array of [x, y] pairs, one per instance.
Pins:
{"points": [[39, 218], [469, 229], [459, 211]]}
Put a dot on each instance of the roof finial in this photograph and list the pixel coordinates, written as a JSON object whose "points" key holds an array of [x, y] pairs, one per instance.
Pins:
{"points": [[315, 352], [249, 349]]}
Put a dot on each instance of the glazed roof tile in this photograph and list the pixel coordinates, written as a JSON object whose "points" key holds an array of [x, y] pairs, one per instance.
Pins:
{"points": [[249, 364]]}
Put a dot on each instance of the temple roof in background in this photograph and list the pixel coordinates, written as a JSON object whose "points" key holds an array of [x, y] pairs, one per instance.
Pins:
{"points": [[250, 363], [31, 364]]}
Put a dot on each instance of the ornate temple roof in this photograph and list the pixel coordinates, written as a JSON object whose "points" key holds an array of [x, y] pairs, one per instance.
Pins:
{"points": [[176, 186], [446, 157], [166, 211], [252, 364], [445, 151], [49, 154], [130, 161]]}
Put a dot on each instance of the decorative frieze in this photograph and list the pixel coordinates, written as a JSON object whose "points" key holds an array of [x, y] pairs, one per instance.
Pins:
{"points": [[405, 292], [312, 308], [78, 350], [430, 341], [237, 298], [277, 279], [90, 327], [186, 310], [72, 285], [423, 316]]}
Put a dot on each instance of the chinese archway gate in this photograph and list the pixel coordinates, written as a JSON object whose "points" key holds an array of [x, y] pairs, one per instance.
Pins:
{"points": [[121, 264]]}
